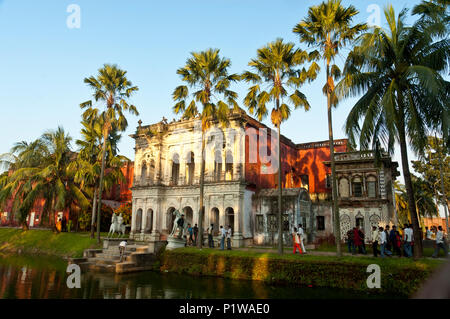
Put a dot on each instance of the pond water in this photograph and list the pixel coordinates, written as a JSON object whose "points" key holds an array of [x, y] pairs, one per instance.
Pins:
{"points": [[37, 277]]}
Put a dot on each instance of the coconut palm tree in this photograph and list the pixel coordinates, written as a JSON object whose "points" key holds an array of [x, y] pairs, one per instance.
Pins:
{"points": [[328, 28], [49, 180], [112, 91], [397, 71], [277, 77], [207, 74], [87, 166], [19, 163]]}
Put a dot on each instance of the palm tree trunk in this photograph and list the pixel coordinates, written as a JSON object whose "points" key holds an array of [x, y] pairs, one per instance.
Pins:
{"points": [[335, 206], [94, 206], [410, 193], [102, 172], [202, 182], [280, 196]]}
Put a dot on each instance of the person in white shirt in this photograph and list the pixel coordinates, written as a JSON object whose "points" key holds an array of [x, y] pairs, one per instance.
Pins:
{"points": [[408, 239], [223, 234], [301, 235], [296, 241], [383, 242], [375, 239], [427, 233], [440, 243], [229, 238], [122, 247]]}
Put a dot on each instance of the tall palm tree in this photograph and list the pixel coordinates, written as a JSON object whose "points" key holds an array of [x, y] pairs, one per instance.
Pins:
{"points": [[112, 90], [207, 74], [328, 28], [277, 66], [397, 71], [87, 166]]}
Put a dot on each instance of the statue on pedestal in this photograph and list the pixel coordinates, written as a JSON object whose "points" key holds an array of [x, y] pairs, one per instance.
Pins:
{"points": [[116, 225], [178, 224]]}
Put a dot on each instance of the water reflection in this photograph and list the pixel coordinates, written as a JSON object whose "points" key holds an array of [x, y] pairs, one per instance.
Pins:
{"points": [[43, 277]]}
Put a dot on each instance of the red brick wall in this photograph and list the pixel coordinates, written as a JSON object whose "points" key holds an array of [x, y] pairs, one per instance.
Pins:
{"points": [[305, 159]]}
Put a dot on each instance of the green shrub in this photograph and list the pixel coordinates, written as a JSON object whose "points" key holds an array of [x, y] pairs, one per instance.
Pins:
{"points": [[399, 277]]}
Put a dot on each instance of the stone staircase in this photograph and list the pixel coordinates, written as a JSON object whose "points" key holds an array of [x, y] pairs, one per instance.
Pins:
{"points": [[136, 258]]}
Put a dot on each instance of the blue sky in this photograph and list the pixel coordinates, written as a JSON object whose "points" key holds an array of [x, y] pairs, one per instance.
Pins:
{"points": [[43, 62]]}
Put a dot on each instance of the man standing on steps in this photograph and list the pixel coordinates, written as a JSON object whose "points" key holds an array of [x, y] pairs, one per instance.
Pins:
{"points": [[122, 247]]}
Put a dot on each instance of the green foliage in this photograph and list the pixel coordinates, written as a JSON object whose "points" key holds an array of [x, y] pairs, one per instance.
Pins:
{"points": [[429, 167], [402, 277], [207, 73], [277, 68], [40, 171], [125, 210]]}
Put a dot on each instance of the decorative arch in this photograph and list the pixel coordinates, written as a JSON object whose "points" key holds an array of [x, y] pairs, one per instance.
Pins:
{"points": [[359, 220], [188, 215], [372, 186], [138, 220], [149, 221], [346, 224], [344, 187], [175, 168], [374, 220], [357, 186], [143, 171], [169, 219], [190, 168], [228, 165], [218, 165], [229, 217], [214, 219]]}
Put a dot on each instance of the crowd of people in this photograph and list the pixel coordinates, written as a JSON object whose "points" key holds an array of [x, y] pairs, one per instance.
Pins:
{"points": [[389, 242], [224, 233]]}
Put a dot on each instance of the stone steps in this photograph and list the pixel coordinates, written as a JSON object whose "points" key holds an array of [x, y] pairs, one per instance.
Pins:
{"points": [[136, 258]]}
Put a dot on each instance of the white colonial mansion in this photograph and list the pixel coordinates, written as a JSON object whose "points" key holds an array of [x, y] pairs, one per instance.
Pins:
{"points": [[240, 186]]}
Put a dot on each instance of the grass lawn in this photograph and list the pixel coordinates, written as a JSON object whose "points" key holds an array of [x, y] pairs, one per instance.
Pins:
{"points": [[45, 242], [363, 260]]}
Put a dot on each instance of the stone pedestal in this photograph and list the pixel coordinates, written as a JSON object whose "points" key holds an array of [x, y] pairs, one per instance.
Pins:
{"points": [[175, 242]]}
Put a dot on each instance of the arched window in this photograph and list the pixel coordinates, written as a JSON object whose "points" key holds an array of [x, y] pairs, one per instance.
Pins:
{"points": [[229, 166], [229, 217], [143, 171], [190, 168], [344, 188], [175, 169], [372, 186], [217, 165], [151, 172], [357, 187]]}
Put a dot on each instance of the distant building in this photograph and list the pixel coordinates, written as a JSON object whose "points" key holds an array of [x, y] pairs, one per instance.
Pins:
{"points": [[434, 221], [241, 179], [113, 198]]}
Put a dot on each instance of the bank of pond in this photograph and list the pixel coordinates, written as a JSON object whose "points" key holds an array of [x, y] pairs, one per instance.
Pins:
{"points": [[39, 271]]}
